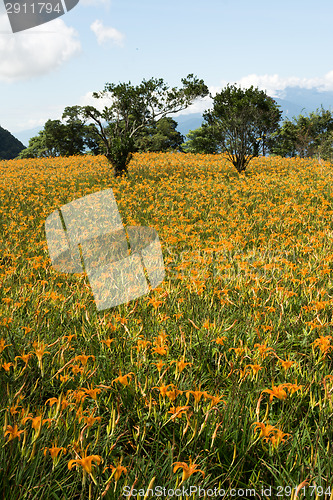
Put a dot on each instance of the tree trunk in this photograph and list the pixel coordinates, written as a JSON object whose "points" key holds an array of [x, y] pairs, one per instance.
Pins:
{"points": [[119, 163], [240, 164]]}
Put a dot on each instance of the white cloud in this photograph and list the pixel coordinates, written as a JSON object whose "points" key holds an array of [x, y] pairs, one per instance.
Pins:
{"points": [[199, 105], [274, 85], [100, 103], [37, 51], [105, 33]]}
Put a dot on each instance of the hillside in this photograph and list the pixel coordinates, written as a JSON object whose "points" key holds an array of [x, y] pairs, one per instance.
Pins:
{"points": [[10, 147]]}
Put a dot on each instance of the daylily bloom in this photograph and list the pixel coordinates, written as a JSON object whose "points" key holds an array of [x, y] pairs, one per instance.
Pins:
{"points": [[181, 365], [24, 357], [108, 342], [54, 451], [163, 389], [6, 366], [255, 369], [83, 358], [293, 387], [173, 394], [142, 344], [37, 422], [286, 364], [40, 350], [323, 343], [196, 394], [86, 462], [214, 399], [117, 471], [178, 411], [77, 369], [276, 391], [161, 350], [263, 350], [220, 340], [188, 470], [122, 379], [238, 350], [159, 365], [265, 430], [3, 344], [13, 432], [89, 419], [277, 438], [92, 392]]}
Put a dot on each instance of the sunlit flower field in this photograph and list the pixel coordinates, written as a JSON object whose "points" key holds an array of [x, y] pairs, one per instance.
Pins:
{"points": [[218, 382]]}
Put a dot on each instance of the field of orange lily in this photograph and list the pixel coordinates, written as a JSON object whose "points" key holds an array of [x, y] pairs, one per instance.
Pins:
{"points": [[219, 378]]}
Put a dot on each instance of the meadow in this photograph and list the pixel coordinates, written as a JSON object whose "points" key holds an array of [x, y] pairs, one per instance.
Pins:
{"points": [[216, 384]]}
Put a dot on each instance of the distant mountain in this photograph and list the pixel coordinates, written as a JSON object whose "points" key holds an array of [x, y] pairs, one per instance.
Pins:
{"points": [[10, 147], [188, 122], [25, 135], [309, 99]]}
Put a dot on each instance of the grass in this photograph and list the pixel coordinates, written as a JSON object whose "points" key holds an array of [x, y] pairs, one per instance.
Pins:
{"points": [[218, 379]]}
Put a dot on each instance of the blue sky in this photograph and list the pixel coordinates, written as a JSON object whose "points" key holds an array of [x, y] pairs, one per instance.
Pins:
{"points": [[268, 43]]}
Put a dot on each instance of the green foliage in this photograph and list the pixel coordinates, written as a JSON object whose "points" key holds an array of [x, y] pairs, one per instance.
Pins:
{"points": [[10, 147], [325, 148], [306, 136], [134, 109], [160, 136], [71, 138], [242, 123], [200, 141]]}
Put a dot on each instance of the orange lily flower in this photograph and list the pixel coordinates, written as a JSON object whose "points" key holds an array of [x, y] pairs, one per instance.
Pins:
{"points": [[188, 470], [277, 438], [122, 379], [178, 411], [6, 366], [3, 344], [265, 430], [173, 394], [13, 432], [276, 391], [117, 471], [54, 451], [108, 342], [163, 389], [40, 350], [86, 462], [196, 394], [92, 392], [83, 358], [159, 365], [181, 365]]}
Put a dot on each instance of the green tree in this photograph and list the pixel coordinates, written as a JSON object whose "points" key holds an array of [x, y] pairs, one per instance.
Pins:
{"points": [[304, 136], [201, 141], [242, 123], [48, 143], [160, 136], [325, 148], [63, 139], [134, 108]]}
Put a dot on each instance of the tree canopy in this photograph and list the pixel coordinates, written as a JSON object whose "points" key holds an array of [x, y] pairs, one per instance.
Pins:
{"points": [[160, 136], [306, 136], [133, 108], [63, 139], [241, 123]]}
